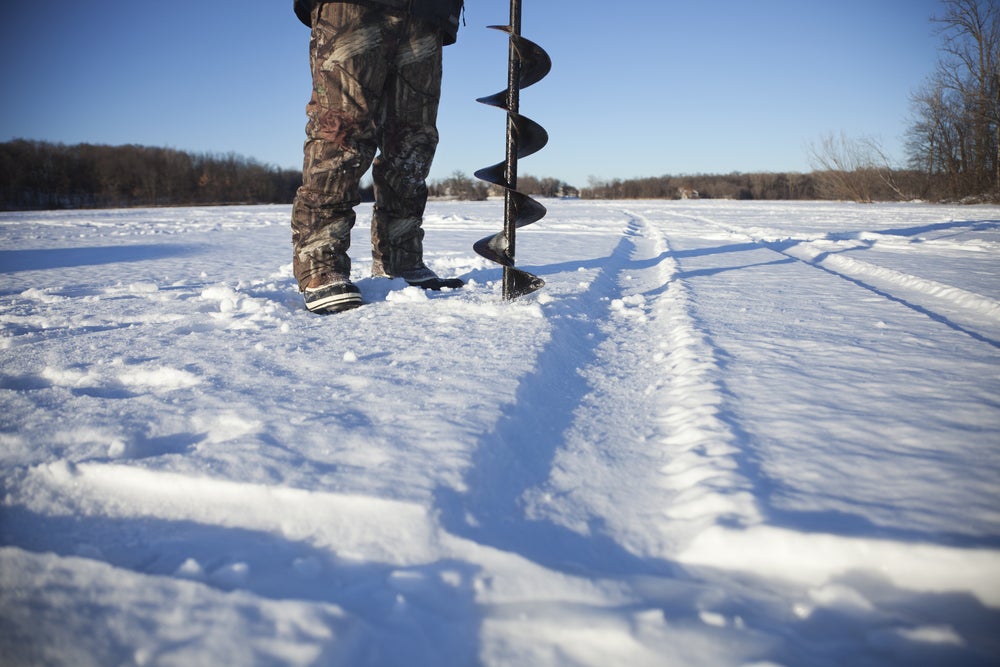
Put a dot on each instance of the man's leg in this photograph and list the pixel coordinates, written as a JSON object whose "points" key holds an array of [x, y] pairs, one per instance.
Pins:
{"points": [[408, 142], [349, 64]]}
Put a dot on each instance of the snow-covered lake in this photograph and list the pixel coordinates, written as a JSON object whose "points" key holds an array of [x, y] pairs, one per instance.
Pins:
{"points": [[725, 433]]}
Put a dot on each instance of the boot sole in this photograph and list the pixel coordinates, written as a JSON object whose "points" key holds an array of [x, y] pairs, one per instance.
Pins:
{"points": [[335, 303]]}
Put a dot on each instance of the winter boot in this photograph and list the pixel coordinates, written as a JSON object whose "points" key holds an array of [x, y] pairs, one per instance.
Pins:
{"points": [[334, 297]]}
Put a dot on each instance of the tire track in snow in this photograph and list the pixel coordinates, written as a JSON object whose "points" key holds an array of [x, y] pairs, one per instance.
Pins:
{"points": [[954, 307], [697, 473], [636, 460], [516, 457], [969, 311]]}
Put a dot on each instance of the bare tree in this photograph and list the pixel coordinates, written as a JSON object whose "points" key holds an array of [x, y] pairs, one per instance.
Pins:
{"points": [[460, 186], [852, 169], [956, 128], [971, 31]]}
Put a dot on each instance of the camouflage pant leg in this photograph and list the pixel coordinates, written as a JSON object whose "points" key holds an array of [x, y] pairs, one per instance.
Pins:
{"points": [[349, 63], [367, 71], [409, 139]]}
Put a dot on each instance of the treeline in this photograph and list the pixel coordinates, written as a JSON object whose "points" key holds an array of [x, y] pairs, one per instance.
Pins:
{"points": [[42, 175], [704, 186], [707, 186], [460, 186], [861, 182]]}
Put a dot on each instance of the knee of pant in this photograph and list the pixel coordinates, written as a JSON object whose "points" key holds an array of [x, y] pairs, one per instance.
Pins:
{"points": [[324, 202], [405, 176]]}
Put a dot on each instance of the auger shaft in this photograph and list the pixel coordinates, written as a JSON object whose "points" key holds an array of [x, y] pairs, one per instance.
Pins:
{"points": [[513, 105]]}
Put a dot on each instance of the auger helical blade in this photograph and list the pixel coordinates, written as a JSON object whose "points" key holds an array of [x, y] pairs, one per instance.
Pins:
{"points": [[498, 100], [495, 174], [526, 211], [527, 64], [494, 248], [529, 137], [518, 283], [535, 62]]}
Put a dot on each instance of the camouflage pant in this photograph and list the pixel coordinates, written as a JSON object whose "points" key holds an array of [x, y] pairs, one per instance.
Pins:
{"points": [[376, 85]]}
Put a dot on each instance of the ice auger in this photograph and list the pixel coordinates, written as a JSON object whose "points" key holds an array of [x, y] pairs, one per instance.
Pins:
{"points": [[527, 63]]}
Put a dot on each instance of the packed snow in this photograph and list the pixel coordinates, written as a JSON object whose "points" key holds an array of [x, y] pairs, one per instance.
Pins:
{"points": [[725, 433]]}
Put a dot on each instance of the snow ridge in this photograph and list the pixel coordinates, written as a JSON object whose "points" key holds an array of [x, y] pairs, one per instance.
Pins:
{"points": [[651, 413], [970, 312]]}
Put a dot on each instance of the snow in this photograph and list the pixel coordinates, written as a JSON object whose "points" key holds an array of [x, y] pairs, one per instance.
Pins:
{"points": [[725, 433]]}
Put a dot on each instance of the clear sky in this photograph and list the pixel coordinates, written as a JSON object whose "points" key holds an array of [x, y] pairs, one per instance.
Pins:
{"points": [[638, 87]]}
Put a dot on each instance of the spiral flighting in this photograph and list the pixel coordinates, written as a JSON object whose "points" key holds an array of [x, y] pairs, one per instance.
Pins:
{"points": [[528, 63]]}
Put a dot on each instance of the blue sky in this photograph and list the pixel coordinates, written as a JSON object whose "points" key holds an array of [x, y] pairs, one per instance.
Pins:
{"points": [[638, 87]]}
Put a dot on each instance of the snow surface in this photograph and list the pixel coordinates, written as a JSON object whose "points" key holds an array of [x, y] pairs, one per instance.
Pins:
{"points": [[724, 434]]}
